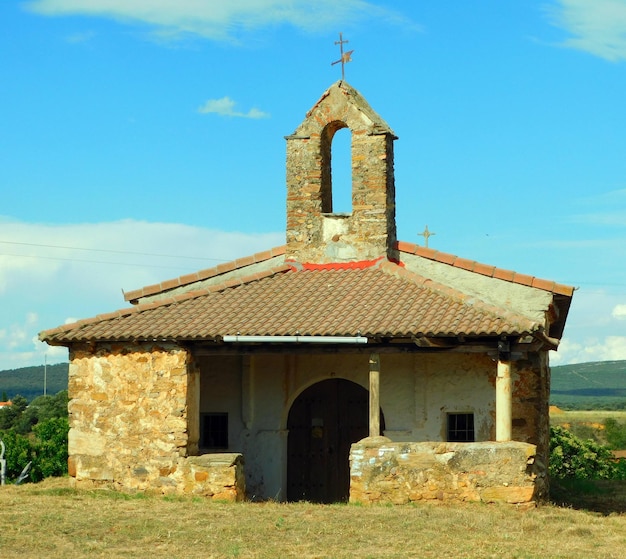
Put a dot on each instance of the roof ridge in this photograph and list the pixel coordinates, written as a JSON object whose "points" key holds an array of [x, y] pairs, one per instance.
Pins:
{"points": [[391, 268], [167, 301], [485, 269], [207, 273]]}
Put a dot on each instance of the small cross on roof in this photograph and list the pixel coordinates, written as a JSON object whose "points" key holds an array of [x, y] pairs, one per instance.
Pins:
{"points": [[426, 234], [345, 56]]}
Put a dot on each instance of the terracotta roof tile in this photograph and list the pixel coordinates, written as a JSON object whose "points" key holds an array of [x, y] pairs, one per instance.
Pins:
{"points": [[203, 274], [484, 269], [383, 299], [406, 247], [523, 279], [506, 275]]}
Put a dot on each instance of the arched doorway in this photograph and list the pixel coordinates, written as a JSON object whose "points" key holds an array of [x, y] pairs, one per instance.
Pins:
{"points": [[323, 422]]}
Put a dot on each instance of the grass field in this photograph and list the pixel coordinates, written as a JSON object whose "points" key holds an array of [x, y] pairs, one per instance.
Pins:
{"points": [[586, 424], [50, 520], [584, 416]]}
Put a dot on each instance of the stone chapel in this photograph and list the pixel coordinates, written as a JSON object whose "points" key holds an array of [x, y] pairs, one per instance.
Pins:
{"points": [[344, 365]]}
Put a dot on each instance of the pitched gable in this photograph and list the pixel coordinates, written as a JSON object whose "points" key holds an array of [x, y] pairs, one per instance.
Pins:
{"points": [[380, 300]]}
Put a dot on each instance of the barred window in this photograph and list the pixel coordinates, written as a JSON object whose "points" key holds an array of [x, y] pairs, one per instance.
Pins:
{"points": [[214, 430], [461, 427]]}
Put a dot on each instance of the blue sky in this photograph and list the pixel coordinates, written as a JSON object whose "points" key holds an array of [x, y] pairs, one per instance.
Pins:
{"points": [[144, 140]]}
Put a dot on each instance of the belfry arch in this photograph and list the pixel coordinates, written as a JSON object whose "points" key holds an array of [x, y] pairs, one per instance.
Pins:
{"points": [[314, 232], [336, 194]]}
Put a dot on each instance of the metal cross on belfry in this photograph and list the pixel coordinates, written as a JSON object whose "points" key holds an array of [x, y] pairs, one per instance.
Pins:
{"points": [[426, 234], [345, 56]]}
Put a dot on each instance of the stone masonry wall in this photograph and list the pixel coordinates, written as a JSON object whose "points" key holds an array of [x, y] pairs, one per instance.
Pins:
{"points": [[531, 415], [385, 472], [133, 423], [369, 231]]}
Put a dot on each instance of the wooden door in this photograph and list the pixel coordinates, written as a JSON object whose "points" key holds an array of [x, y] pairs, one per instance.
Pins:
{"points": [[323, 422]]}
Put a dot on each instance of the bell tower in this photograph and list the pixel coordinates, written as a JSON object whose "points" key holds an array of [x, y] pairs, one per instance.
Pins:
{"points": [[315, 234]]}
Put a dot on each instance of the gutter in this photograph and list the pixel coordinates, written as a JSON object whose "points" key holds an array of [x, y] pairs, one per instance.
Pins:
{"points": [[296, 339]]}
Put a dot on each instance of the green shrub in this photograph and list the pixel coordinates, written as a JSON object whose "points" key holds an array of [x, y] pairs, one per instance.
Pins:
{"points": [[35, 433], [19, 452], [571, 457], [615, 433], [50, 448]]}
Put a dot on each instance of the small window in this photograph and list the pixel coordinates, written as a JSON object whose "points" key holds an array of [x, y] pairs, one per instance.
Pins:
{"points": [[461, 427], [214, 430]]}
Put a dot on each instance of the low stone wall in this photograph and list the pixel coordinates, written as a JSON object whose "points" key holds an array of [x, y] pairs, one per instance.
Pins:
{"points": [[218, 476], [215, 476], [382, 471]]}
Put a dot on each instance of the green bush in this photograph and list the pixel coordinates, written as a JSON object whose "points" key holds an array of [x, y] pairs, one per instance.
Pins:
{"points": [[615, 433], [19, 452], [35, 433], [571, 457], [50, 448]]}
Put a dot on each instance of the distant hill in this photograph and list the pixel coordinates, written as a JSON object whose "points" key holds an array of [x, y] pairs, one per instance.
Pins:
{"points": [[29, 381], [595, 385]]}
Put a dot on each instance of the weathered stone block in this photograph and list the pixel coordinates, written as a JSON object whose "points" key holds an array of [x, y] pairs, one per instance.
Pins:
{"points": [[385, 472]]}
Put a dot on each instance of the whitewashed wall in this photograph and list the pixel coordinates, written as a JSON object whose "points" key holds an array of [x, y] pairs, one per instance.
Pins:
{"points": [[417, 391]]}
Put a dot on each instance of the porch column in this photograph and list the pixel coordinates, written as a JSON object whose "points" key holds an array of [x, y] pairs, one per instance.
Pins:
{"points": [[247, 390], [374, 395], [503, 402]]}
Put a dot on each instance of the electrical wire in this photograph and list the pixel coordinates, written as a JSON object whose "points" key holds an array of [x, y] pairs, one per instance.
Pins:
{"points": [[112, 251], [93, 261]]}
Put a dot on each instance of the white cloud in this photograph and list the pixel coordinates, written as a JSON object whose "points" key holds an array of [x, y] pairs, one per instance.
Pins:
{"points": [[226, 107], [598, 26], [619, 312], [51, 272], [610, 348], [221, 19]]}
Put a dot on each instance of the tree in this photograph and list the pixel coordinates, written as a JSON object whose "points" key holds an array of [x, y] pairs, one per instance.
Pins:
{"points": [[41, 409], [50, 448], [36, 433], [11, 415], [19, 452], [571, 457]]}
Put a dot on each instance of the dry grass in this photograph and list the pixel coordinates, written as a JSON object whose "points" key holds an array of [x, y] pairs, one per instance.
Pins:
{"points": [[50, 520], [585, 416]]}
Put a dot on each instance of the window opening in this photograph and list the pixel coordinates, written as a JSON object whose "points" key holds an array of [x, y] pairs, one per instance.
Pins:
{"points": [[461, 427], [214, 430], [341, 171]]}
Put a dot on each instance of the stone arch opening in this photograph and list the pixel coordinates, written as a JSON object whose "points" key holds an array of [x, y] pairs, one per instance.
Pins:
{"points": [[336, 180], [341, 171]]}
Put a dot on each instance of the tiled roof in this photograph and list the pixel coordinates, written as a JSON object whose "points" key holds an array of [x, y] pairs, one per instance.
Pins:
{"points": [[403, 247], [382, 299], [485, 269], [208, 273]]}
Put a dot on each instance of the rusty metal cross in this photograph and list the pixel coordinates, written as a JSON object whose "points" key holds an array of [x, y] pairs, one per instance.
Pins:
{"points": [[426, 234], [345, 56]]}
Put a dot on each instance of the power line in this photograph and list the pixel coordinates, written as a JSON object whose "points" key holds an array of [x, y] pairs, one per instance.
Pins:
{"points": [[135, 253], [109, 251], [93, 261]]}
